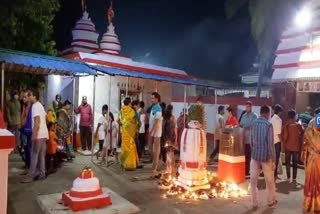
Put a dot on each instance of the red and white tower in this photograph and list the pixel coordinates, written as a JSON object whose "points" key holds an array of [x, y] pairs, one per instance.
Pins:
{"points": [[84, 35], [110, 42]]}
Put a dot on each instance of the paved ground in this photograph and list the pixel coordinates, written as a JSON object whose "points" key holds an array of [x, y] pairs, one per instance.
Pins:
{"points": [[144, 194]]}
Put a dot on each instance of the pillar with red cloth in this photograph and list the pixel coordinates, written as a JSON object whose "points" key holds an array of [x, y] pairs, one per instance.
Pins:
{"points": [[231, 165], [193, 173], [7, 143]]}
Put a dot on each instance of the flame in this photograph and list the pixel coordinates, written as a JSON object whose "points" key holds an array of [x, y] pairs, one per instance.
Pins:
{"points": [[218, 190]]}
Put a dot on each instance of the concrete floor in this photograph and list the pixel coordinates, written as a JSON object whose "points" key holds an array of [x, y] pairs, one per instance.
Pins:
{"points": [[144, 194]]}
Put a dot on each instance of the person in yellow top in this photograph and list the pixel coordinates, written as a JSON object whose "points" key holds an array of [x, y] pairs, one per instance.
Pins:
{"points": [[51, 115], [129, 128]]}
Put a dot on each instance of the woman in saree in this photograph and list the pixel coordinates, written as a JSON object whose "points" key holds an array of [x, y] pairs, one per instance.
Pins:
{"points": [[64, 130], [311, 158], [129, 129]]}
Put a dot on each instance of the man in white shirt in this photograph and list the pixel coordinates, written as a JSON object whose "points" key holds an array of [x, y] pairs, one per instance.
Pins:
{"points": [[276, 122], [155, 130], [40, 135]]}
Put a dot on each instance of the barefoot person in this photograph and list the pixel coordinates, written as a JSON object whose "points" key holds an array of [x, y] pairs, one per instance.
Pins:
{"points": [[100, 130], [170, 139], [262, 156], [129, 129], [155, 130], [247, 119], [40, 135], [292, 135], [86, 119]]}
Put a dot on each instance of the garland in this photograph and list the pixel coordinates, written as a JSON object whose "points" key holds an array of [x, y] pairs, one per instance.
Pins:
{"points": [[196, 112]]}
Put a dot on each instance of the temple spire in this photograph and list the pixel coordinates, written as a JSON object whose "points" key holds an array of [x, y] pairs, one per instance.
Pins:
{"points": [[110, 13], [83, 5]]}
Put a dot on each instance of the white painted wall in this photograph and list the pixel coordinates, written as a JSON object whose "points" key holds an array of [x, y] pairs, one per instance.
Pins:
{"points": [[118, 83]]}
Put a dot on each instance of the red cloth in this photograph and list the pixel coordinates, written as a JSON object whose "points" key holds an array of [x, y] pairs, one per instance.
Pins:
{"points": [[85, 112], [2, 124], [232, 121]]}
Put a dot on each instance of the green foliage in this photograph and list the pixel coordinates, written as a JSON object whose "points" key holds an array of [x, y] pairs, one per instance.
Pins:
{"points": [[196, 112], [26, 25], [23, 81], [232, 7]]}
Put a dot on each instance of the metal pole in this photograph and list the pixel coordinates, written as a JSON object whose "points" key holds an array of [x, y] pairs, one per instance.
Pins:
{"points": [[93, 109], [73, 117], [185, 108], [215, 97], [2, 86], [127, 87], [108, 137]]}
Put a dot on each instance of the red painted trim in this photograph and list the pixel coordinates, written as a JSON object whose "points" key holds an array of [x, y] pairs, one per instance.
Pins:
{"points": [[135, 68], [84, 40], [193, 165], [291, 50], [86, 194], [309, 64], [109, 49], [76, 205], [85, 30], [7, 142], [106, 42], [304, 48], [114, 54], [72, 56], [86, 47], [231, 172], [290, 36], [107, 34], [87, 24]]}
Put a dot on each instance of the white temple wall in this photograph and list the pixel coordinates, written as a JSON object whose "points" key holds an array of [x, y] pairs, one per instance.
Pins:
{"points": [[142, 87]]}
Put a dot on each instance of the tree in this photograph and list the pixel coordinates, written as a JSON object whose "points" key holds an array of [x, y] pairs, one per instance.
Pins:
{"points": [[26, 25], [268, 20]]}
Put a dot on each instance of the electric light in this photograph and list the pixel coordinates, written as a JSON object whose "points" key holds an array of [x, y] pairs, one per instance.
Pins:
{"points": [[303, 18]]}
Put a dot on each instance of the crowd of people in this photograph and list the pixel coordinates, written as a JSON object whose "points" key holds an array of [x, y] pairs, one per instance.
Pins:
{"points": [[265, 136], [43, 139], [155, 129]]}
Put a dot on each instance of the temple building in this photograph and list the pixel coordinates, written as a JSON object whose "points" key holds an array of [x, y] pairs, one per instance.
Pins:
{"points": [[105, 57], [296, 77]]}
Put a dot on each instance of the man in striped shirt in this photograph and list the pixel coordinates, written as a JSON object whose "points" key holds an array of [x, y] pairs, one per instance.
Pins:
{"points": [[262, 156]]}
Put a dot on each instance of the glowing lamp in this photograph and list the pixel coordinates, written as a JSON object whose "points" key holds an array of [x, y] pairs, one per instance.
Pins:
{"points": [[303, 18]]}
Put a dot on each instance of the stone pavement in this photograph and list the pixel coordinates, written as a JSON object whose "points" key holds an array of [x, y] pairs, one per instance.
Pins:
{"points": [[142, 193]]}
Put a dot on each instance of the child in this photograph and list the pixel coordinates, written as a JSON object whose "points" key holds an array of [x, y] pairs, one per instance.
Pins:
{"points": [[100, 131], [52, 149], [110, 140]]}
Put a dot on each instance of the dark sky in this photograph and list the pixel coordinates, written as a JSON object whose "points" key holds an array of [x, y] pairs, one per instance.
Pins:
{"points": [[184, 34]]}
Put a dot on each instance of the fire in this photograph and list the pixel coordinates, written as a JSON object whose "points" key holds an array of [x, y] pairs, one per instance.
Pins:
{"points": [[217, 189]]}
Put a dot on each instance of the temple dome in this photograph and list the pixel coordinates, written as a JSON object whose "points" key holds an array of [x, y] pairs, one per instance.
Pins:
{"points": [[84, 35], [110, 42]]}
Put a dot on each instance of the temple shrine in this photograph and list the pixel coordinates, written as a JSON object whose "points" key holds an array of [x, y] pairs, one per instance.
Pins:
{"points": [[296, 77], [105, 56]]}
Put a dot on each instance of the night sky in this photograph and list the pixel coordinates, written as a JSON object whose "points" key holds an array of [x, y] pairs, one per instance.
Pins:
{"points": [[184, 34]]}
